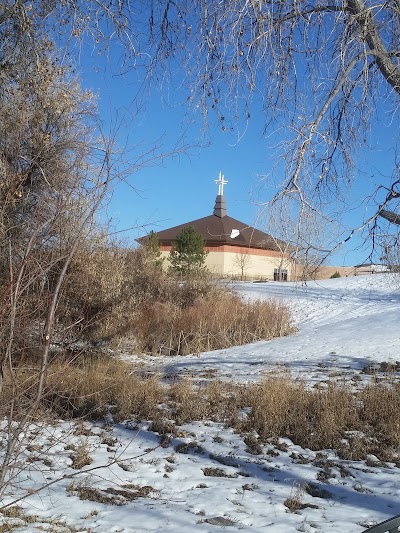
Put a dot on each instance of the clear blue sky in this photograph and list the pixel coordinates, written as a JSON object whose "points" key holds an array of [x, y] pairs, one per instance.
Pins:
{"points": [[181, 188]]}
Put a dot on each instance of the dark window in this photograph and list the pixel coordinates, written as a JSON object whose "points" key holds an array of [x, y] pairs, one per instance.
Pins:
{"points": [[280, 274]]}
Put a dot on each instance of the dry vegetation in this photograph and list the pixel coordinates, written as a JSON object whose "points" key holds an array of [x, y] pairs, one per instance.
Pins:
{"points": [[357, 423], [111, 294], [62, 307], [217, 320]]}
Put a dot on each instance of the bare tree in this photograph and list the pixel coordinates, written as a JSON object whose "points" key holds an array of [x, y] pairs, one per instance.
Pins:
{"points": [[242, 260], [391, 255], [298, 241], [323, 73], [55, 170]]}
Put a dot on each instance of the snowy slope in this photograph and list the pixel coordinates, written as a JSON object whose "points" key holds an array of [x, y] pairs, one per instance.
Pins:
{"points": [[344, 324]]}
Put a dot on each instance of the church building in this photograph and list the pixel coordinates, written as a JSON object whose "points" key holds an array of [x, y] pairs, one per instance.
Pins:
{"points": [[234, 248]]}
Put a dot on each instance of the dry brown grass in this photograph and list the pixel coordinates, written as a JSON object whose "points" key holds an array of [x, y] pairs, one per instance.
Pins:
{"points": [[381, 410], [355, 423], [218, 320], [111, 495], [100, 386], [216, 401], [108, 288], [80, 456], [111, 293], [315, 419]]}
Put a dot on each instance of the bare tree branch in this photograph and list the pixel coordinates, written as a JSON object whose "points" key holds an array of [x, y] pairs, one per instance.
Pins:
{"points": [[392, 217]]}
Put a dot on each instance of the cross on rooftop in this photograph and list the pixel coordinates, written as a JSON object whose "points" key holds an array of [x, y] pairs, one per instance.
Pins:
{"points": [[220, 182]]}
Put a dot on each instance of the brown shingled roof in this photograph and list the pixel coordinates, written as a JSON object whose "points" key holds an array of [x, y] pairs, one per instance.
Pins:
{"points": [[218, 230]]}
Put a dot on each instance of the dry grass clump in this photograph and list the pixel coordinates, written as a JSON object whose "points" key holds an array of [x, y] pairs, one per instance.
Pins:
{"points": [[216, 401], [295, 502], [315, 419], [81, 456], [354, 423], [103, 385], [217, 472], [381, 410], [218, 320], [110, 495]]}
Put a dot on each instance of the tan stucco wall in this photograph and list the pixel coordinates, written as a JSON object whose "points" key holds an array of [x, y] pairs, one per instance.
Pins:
{"points": [[225, 261], [255, 266]]}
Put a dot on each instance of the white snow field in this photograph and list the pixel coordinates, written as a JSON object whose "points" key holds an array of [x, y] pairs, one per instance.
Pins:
{"points": [[343, 325]]}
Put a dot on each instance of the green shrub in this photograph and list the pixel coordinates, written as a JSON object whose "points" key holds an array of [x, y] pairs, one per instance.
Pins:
{"points": [[335, 275]]}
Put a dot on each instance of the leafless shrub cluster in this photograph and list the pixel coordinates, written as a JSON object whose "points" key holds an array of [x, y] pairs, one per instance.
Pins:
{"points": [[104, 288], [55, 171], [51, 185], [110, 294]]}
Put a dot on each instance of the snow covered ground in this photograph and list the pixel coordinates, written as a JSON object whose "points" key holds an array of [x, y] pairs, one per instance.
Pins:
{"points": [[344, 325], [206, 479]]}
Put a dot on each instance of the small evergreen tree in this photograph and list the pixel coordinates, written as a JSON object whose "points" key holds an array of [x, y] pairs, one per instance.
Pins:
{"points": [[187, 254]]}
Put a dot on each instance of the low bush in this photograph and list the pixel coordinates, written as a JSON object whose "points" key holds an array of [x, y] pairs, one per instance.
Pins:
{"points": [[102, 386], [363, 422], [89, 387], [315, 419], [104, 288]]}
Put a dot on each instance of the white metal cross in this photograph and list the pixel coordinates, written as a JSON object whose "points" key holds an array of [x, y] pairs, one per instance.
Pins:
{"points": [[220, 182]]}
